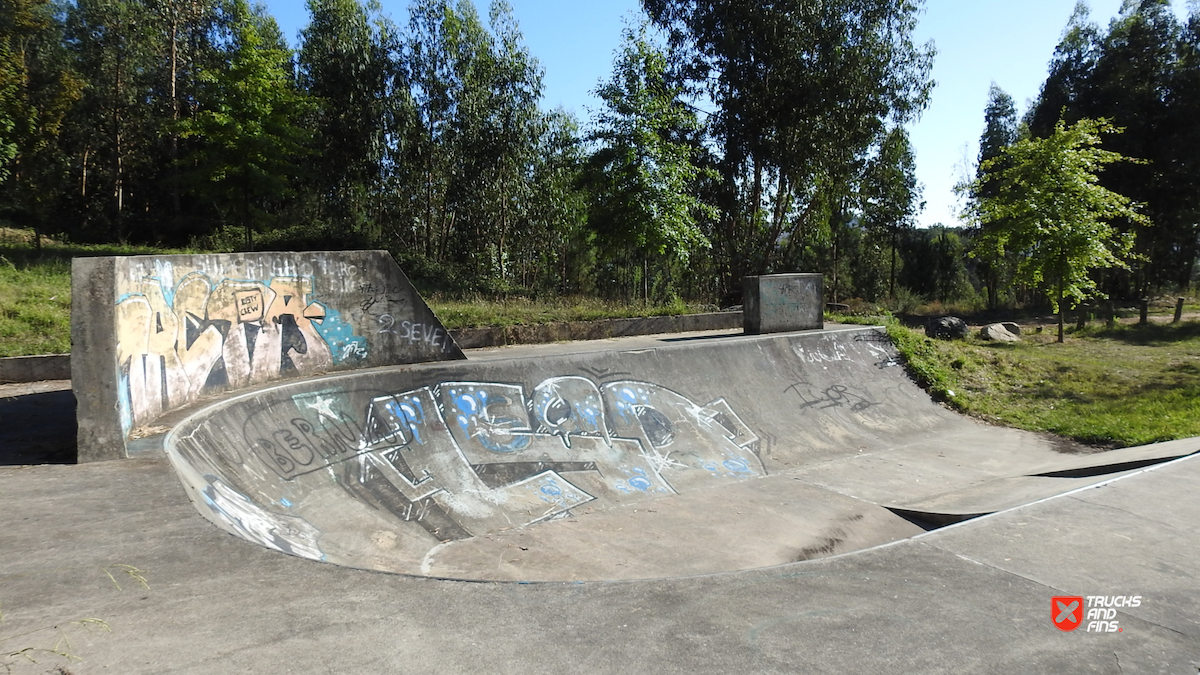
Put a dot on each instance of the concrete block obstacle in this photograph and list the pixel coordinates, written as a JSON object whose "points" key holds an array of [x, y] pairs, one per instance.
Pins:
{"points": [[778, 303], [152, 334]]}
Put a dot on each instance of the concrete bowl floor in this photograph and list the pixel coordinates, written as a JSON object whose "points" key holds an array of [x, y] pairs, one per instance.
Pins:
{"points": [[622, 459]]}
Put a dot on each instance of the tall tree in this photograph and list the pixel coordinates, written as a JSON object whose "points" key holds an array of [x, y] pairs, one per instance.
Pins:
{"points": [[891, 194], [37, 89], [1000, 130], [1182, 135], [802, 90], [1066, 87], [347, 67], [114, 129], [251, 142], [643, 174], [1050, 212], [186, 28], [1130, 85]]}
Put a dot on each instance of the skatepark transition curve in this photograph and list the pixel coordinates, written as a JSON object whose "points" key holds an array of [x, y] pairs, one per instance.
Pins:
{"points": [[686, 457]]}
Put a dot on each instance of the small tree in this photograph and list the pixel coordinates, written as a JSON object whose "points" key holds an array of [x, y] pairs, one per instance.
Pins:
{"points": [[1048, 210]]}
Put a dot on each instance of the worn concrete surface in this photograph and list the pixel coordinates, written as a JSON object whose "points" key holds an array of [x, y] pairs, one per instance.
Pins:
{"points": [[615, 459], [973, 598]]}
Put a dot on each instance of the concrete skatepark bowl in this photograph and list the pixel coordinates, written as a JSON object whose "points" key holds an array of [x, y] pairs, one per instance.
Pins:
{"points": [[614, 460]]}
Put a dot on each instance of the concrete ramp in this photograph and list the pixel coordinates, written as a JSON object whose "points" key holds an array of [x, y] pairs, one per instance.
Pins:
{"points": [[602, 462]]}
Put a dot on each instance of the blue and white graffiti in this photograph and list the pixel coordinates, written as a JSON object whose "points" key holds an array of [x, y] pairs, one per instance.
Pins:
{"points": [[466, 458]]}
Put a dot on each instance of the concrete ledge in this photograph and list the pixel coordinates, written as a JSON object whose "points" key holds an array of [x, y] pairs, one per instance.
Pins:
{"points": [[35, 368], [499, 336]]}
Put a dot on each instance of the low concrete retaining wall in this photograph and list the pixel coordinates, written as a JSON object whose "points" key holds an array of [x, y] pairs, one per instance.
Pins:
{"points": [[35, 368], [499, 336]]}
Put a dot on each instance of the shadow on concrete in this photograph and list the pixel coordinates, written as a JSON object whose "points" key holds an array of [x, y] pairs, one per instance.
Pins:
{"points": [[690, 338], [38, 428]]}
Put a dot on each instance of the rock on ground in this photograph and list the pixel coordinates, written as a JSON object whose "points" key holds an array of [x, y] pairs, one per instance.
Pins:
{"points": [[947, 328]]}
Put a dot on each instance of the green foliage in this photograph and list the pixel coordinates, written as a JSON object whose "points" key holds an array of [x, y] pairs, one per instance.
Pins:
{"points": [[802, 92], [479, 310], [37, 90], [35, 292], [890, 194], [1127, 386], [926, 361], [643, 175], [1140, 74], [251, 142], [1050, 213]]}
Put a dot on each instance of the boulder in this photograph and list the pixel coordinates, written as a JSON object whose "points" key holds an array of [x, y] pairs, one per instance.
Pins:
{"points": [[1011, 327], [947, 328], [998, 332]]}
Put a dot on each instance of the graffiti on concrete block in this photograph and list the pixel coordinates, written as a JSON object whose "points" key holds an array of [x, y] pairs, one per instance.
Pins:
{"points": [[460, 459], [174, 341]]}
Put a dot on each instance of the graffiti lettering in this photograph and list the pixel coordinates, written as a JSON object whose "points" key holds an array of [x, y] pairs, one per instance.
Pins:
{"points": [[176, 342], [836, 396], [374, 294], [464, 458], [427, 333]]}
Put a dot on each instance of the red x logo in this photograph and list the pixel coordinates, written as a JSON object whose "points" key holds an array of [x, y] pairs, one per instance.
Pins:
{"points": [[1066, 611]]}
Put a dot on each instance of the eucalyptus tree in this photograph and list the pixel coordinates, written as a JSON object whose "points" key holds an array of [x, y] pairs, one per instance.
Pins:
{"points": [[643, 172], [37, 90], [113, 130], [1000, 131], [1066, 86], [432, 78], [494, 136], [555, 250], [249, 139], [1182, 134], [801, 92], [347, 66], [474, 133], [185, 29], [1130, 86], [1136, 74], [890, 194]]}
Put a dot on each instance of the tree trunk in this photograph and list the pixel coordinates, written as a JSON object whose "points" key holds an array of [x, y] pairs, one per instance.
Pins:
{"points": [[1062, 310], [892, 275]]}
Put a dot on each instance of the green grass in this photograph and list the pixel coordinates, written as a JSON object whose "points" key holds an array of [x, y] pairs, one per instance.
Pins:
{"points": [[1126, 386], [35, 292], [35, 299]]}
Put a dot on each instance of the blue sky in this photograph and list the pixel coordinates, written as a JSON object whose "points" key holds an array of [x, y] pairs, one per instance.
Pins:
{"points": [[978, 42]]}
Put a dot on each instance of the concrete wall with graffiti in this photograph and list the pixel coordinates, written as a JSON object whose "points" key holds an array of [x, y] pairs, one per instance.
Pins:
{"points": [[452, 460], [182, 327]]}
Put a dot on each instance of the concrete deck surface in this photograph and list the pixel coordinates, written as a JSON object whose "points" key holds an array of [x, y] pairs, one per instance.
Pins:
{"points": [[970, 598]]}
